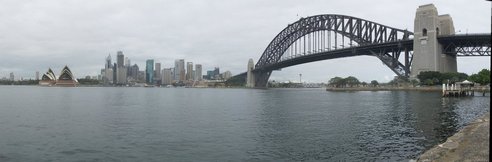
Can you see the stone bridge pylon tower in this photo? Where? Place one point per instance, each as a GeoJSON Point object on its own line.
{"type": "Point", "coordinates": [427, 51]}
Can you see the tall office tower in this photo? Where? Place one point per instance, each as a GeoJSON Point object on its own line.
{"type": "Point", "coordinates": [167, 77]}
{"type": "Point", "coordinates": [216, 73]}
{"type": "Point", "coordinates": [37, 75]}
{"type": "Point", "coordinates": [102, 75]}
{"type": "Point", "coordinates": [189, 71]}
{"type": "Point", "coordinates": [198, 72]}
{"type": "Point", "coordinates": [127, 62]}
{"type": "Point", "coordinates": [108, 62]}
{"type": "Point", "coordinates": [11, 76]}
{"type": "Point", "coordinates": [149, 71]}
{"type": "Point", "coordinates": [114, 73]}
{"type": "Point", "coordinates": [133, 72]}
{"type": "Point", "coordinates": [226, 75]}
{"type": "Point", "coordinates": [108, 70]}
{"type": "Point", "coordinates": [157, 73]}
{"type": "Point", "coordinates": [121, 69]}
{"type": "Point", "coordinates": [179, 70]}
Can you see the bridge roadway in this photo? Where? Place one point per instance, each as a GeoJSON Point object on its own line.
{"type": "Point", "coordinates": [458, 44]}
{"type": "Point", "coordinates": [456, 41]}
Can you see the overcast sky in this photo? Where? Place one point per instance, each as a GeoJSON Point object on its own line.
{"type": "Point", "coordinates": [36, 35]}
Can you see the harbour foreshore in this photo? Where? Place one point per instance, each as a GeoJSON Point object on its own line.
{"type": "Point", "coordinates": [389, 88]}
{"type": "Point", "coordinates": [470, 144]}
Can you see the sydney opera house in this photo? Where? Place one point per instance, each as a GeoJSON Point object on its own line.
{"type": "Point", "coordinates": [66, 78]}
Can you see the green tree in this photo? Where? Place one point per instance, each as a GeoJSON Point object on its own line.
{"type": "Point", "coordinates": [482, 77]}
{"type": "Point", "coordinates": [337, 82]}
{"type": "Point", "coordinates": [352, 81]}
{"type": "Point", "coordinates": [374, 83]}
{"type": "Point", "coordinates": [364, 84]}
{"type": "Point", "coordinates": [429, 77]}
{"type": "Point", "coordinates": [414, 82]}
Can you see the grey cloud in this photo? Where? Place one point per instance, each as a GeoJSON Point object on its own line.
{"type": "Point", "coordinates": [35, 35]}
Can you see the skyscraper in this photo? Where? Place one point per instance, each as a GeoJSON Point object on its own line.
{"type": "Point", "coordinates": [121, 69]}
{"type": "Point", "coordinates": [127, 62]}
{"type": "Point", "coordinates": [12, 76]}
{"type": "Point", "coordinates": [149, 71]}
{"type": "Point", "coordinates": [189, 71]}
{"type": "Point", "coordinates": [179, 70]}
{"type": "Point", "coordinates": [108, 71]}
{"type": "Point", "coordinates": [114, 73]}
{"type": "Point", "coordinates": [157, 73]}
{"type": "Point", "coordinates": [216, 73]}
{"type": "Point", "coordinates": [167, 77]}
{"type": "Point", "coordinates": [37, 75]}
{"type": "Point", "coordinates": [108, 62]}
{"type": "Point", "coordinates": [198, 72]}
{"type": "Point", "coordinates": [133, 72]}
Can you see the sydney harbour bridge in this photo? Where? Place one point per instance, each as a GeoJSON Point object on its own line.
{"type": "Point", "coordinates": [433, 46]}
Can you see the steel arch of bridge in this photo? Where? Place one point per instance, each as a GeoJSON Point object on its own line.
{"type": "Point", "coordinates": [363, 32]}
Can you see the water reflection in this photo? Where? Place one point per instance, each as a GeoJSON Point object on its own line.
{"type": "Point", "coordinates": [161, 124]}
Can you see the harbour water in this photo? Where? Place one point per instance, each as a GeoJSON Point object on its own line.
{"type": "Point", "coordinates": [187, 124]}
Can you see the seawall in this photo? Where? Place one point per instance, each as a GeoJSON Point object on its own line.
{"type": "Point", "coordinates": [470, 144]}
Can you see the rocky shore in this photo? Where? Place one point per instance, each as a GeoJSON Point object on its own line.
{"type": "Point", "coordinates": [431, 88]}
{"type": "Point", "coordinates": [469, 144]}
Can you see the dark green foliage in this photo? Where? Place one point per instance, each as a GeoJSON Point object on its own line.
{"type": "Point", "coordinates": [18, 82]}
{"type": "Point", "coordinates": [374, 83]}
{"type": "Point", "coordinates": [88, 81]}
{"type": "Point", "coordinates": [343, 82]}
{"type": "Point", "coordinates": [437, 78]}
{"type": "Point", "coordinates": [483, 77]}
{"type": "Point", "coordinates": [236, 81]}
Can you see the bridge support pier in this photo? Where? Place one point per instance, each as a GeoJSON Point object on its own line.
{"type": "Point", "coordinates": [250, 77]}
{"type": "Point", "coordinates": [261, 79]}
{"type": "Point", "coordinates": [428, 53]}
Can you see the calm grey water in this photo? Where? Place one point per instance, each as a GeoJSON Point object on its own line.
{"type": "Point", "coordinates": [182, 124]}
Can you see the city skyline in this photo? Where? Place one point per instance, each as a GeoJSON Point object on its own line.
{"type": "Point", "coordinates": [51, 31]}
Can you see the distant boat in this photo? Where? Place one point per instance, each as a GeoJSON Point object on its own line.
{"type": "Point", "coordinates": [147, 85]}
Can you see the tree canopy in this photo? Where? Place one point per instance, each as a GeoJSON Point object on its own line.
{"type": "Point", "coordinates": [482, 77]}
{"type": "Point", "coordinates": [436, 78]}
{"type": "Point", "coordinates": [339, 82]}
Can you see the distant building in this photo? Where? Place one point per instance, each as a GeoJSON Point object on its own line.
{"type": "Point", "coordinates": [133, 72]}
{"type": "Point", "coordinates": [12, 76]}
{"type": "Point", "coordinates": [167, 77]}
{"type": "Point", "coordinates": [37, 75]}
{"type": "Point", "coordinates": [114, 73]}
{"type": "Point", "coordinates": [121, 70]}
{"type": "Point", "coordinates": [226, 75]}
{"type": "Point", "coordinates": [198, 72]}
{"type": "Point", "coordinates": [189, 71]}
{"type": "Point", "coordinates": [149, 71]}
{"type": "Point", "coordinates": [141, 76]}
{"type": "Point", "coordinates": [210, 75]}
{"type": "Point", "coordinates": [179, 70]}
{"type": "Point", "coordinates": [108, 71]}
{"type": "Point", "coordinates": [157, 73]}
{"type": "Point", "coordinates": [66, 78]}
{"type": "Point", "coordinates": [48, 79]}
{"type": "Point", "coordinates": [127, 62]}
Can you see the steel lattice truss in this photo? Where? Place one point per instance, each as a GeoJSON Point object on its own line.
{"type": "Point", "coordinates": [466, 44]}
{"type": "Point", "coordinates": [361, 31]}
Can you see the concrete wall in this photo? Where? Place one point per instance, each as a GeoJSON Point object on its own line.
{"type": "Point", "coordinates": [428, 53]}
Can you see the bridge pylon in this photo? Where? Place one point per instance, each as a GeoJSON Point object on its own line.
{"type": "Point", "coordinates": [428, 53]}
{"type": "Point", "coordinates": [250, 78]}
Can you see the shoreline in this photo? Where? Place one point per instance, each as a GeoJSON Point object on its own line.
{"type": "Point", "coordinates": [431, 89]}
{"type": "Point", "coordinates": [471, 143]}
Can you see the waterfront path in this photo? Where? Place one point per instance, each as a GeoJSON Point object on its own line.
{"type": "Point", "coordinates": [469, 144]}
